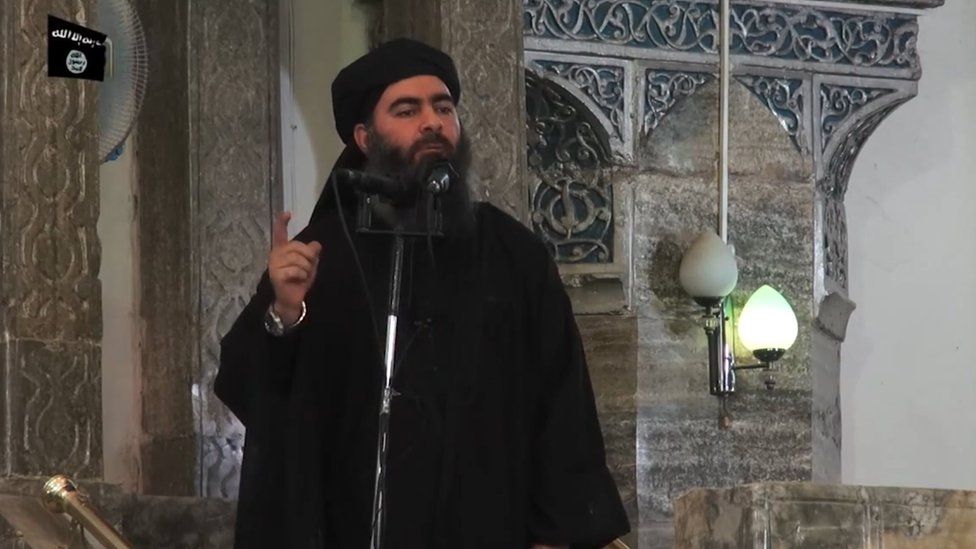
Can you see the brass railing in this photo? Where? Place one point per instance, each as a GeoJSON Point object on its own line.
{"type": "Point", "coordinates": [62, 496]}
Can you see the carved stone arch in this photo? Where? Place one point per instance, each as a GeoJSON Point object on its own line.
{"type": "Point", "coordinates": [588, 109]}
{"type": "Point", "coordinates": [604, 89]}
{"type": "Point", "coordinates": [847, 114]}
{"type": "Point", "coordinates": [568, 153]}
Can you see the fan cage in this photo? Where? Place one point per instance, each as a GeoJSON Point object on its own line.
{"type": "Point", "coordinates": [135, 53]}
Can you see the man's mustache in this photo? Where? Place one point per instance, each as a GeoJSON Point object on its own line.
{"type": "Point", "coordinates": [431, 139]}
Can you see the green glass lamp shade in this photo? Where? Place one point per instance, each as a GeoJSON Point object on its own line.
{"type": "Point", "coordinates": [767, 321]}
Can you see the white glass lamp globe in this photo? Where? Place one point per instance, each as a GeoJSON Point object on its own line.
{"type": "Point", "coordinates": [767, 322]}
{"type": "Point", "coordinates": [708, 271]}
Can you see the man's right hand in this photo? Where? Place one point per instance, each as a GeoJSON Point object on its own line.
{"type": "Point", "coordinates": [291, 268]}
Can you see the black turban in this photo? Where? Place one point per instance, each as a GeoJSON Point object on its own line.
{"type": "Point", "coordinates": [358, 87]}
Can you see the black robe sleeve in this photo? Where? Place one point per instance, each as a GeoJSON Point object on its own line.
{"type": "Point", "coordinates": [254, 364]}
{"type": "Point", "coordinates": [574, 498]}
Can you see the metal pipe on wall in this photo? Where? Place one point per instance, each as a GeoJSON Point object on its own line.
{"type": "Point", "coordinates": [723, 154]}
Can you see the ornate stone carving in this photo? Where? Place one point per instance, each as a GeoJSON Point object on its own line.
{"type": "Point", "coordinates": [842, 153]}
{"type": "Point", "coordinates": [663, 90]}
{"type": "Point", "coordinates": [681, 26]}
{"type": "Point", "coordinates": [236, 173]}
{"type": "Point", "coordinates": [50, 295]}
{"type": "Point", "coordinates": [781, 31]}
{"type": "Point", "coordinates": [836, 165]}
{"type": "Point", "coordinates": [572, 205]}
{"type": "Point", "coordinates": [51, 270]}
{"type": "Point", "coordinates": [602, 84]}
{"type": "Point", "coordinates": [808, 34]}
{"type": "Point", "coordinates": [835, 240]}
{"type": "Point", "coordinates": [783, 97]}
{"type": "Point", "coordinates": [917, 4]}
{"type": "Point", "coordinates": [839, 102]}
{"type": "Point", "coordinates": [55, 395]}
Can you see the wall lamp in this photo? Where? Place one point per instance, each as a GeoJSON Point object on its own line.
{"type": "Point", "coordinates": [708, 273]}
{"type": "Point", "coordinates": [767, 324]}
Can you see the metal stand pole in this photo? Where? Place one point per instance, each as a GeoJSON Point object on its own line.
{"type": "Point", "coordinates": [724, 78]}
{"type": "Point", "coordinates": [379, 491]}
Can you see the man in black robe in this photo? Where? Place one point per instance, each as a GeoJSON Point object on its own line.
{"type": "Point", "coordinates": [494, 437]}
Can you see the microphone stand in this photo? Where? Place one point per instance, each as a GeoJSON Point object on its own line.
{"type": "Point", "coordinates": [386, 397]}
{"type": "Point", "coordinates": [437, 184]}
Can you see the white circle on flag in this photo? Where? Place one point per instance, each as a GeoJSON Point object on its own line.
{"type": "Point", "coordinates": [77, 62]}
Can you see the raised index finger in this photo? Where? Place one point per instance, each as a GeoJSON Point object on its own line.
{"type": "Point", "coordinates": [279, 230]}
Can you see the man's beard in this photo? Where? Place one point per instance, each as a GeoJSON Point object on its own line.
{"type": "Point", "coordinates": [387, 159]}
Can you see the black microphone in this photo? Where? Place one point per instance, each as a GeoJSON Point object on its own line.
{"type": "Point", "coordinates": [440, 176]}
{"type": "Point", "coordinates": [371, 183]}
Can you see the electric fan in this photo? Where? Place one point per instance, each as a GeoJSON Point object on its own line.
{"type": "Point", "coordinates": [126, 72]}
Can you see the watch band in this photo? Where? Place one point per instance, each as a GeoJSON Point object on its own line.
{"type": "Point", "coordinates": [275, 326]}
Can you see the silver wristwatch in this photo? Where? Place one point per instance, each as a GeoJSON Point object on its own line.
{"type": "Point", "coordinates": [275, 326]}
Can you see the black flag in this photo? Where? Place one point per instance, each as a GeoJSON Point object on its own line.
{"type": "Point", "coordinates": [74, 51]}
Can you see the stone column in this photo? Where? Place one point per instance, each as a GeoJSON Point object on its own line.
{"type": "Point", "coordinates": [167, 447]}
{"type": "Point", "coordinates": [209, 181]}
{"type": "Point", "coordinates": [236, 176]}
{"type": "Point", "coordinates": [485, 39]}
{"type": "Point", "coordinates": [50, 296]}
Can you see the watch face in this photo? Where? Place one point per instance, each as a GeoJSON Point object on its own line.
{"type": "Point", "coordinates": [273, 324]}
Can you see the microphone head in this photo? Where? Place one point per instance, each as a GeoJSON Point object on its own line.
{"type": "Point", "coordinates": [440, 176]}
{"type": "Point", "coordinates": [373, 183]}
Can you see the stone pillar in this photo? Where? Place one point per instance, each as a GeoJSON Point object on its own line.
{"type": "Point", "coordinates": [167, 447]}
{"type": "Point", "coordinates": [485, 39]}
{"type": "Point", "coordinates": [236, 176]}
{"type": "Point", "coordinates": [209, 181]}
{"type": "Point", "coordinates": [50, 296]}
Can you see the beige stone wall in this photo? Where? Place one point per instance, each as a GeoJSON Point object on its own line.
{"type": "Point", "coordinates": [50, 295]}
{"type": "Point", "coordinates": [812, 516]}
{"type": "Point", "coordinates": [121, 385]}
{"type": "Point", "coordinates": [679, 443]}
